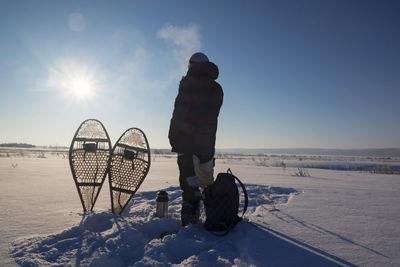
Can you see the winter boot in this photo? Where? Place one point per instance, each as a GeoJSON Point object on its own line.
{"type": "Point", "coordinates": [190, 212]}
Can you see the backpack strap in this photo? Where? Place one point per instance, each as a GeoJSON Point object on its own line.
{"type": "Point", "coordinates": [246, 197]}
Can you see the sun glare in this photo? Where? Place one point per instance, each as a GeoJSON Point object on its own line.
{"type": "Point", "coordinates": [81, 87]}
{"type": "Point", "coordinates": [74, 80]}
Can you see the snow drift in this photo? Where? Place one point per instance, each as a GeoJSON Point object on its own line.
{"type": "Point", "coordinates": [139, 238]}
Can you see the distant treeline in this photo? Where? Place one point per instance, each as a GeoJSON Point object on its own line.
{"type": "Point", "coordinates": [374, 152]}
{"type": "Point", "coordinates": [21, 145]}
{"type": "Point", "coordinates": [377, 152]}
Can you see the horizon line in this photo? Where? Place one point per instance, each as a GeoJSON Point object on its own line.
{"type": "Point", "coordinates": [236, 148]}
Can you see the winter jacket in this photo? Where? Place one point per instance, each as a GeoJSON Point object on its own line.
{"type": "Point", "coordinates": [194, 121]}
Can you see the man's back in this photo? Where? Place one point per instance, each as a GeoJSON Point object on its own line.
{"type": "Point", "coordinates": [194, 121]}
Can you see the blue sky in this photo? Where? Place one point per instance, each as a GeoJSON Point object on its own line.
{"type": "Point", "coordinates": [295, 73]}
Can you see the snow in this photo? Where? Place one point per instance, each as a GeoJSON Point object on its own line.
{"type": "Point", "coordinates": [330, 218]}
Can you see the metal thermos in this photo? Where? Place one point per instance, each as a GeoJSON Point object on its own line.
{"type": "Point", "coordinates": [162, 204]}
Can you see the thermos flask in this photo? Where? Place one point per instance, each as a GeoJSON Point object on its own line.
{"type": "Point", "coordinates": [162, 204]}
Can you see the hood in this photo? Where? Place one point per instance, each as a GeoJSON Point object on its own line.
{"type": "Point", "coordinates": [204, 69]}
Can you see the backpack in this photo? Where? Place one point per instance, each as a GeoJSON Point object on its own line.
{"type": "Point", "coordinates": [221, 202]}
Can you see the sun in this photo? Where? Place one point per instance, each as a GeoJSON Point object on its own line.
{"type": "Point", "coordinates": [81, 87]}
{"type": "Point", "coordinates": [74, 80]}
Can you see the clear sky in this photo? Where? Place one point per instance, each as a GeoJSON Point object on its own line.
{"type": "Point", "coordinates": [295, 73]}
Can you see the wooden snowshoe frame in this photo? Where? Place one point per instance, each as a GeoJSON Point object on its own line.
{"type": "Point", "coordinates": [129, 165]}
{"type": "Point", "coordinates": [89, 158]}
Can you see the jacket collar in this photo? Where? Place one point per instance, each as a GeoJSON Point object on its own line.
{"type": "Point", "coordinates": [203, 69]}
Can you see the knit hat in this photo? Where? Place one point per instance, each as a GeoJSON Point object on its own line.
{"type": "Point", "coordinates": [198, 58]}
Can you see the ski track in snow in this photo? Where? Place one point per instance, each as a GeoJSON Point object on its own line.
{"type": "Point", "coordinates": [139, 238]}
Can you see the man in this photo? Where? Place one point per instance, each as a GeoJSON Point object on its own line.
{"type": "Point", "coordinates": [193, 129]}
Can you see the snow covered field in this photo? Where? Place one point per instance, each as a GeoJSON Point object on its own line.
{"type": "Point", "coordinates": [329, 218]}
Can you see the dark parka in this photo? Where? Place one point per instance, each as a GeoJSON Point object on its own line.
{"type": "Point", "coordinates": [194, 121]}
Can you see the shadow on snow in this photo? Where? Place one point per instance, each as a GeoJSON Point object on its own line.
{"type": "Point", "coordinates": [139, 238]}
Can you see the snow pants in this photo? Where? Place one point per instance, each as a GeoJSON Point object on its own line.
{"type": "Point", "coordinates": [195, 170]}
